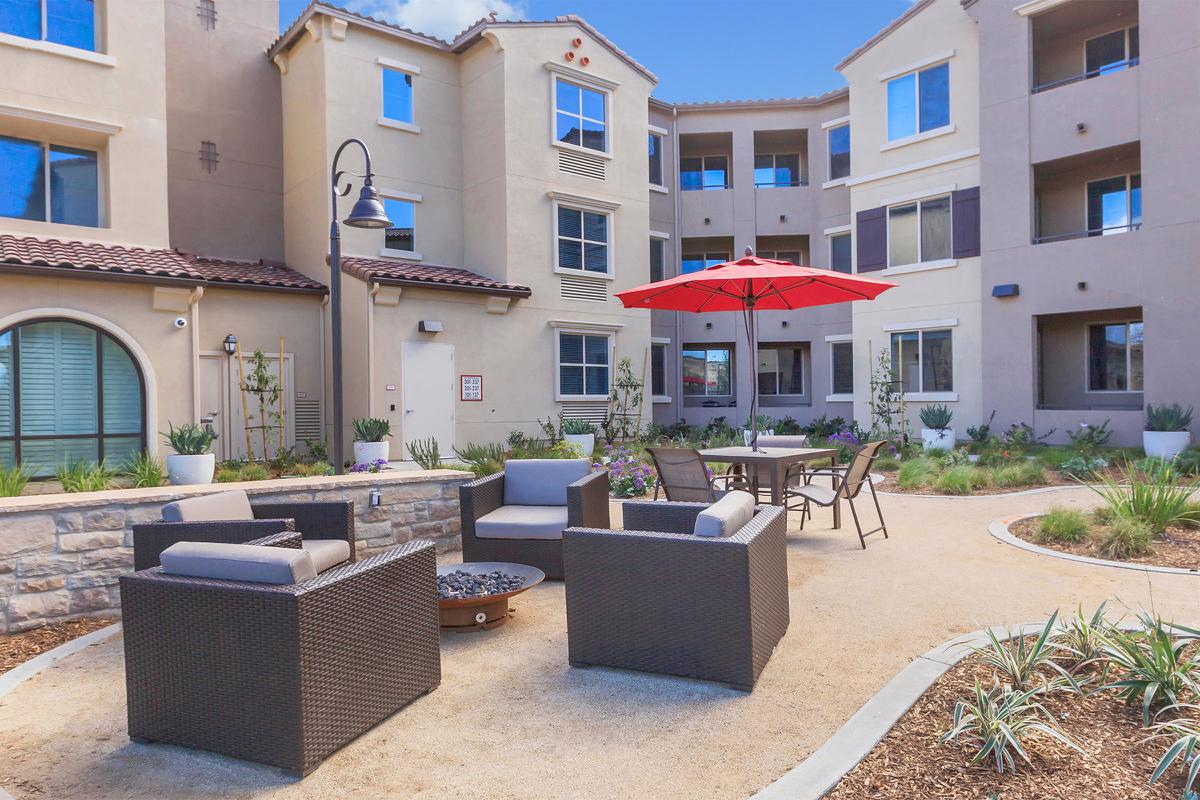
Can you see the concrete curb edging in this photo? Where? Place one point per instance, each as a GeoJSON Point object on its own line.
{"type": "Point", "coordinates": [814, 777]}
{"type": "Point", "coordinates": [1000, 530]}
{"type": "Point", "coordinates": [994, 495]}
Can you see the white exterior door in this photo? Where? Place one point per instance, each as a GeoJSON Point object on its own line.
{"type": "Point", "coordinates": [235, 430]}
{"type": "Point", "coordinates": [429, 398]}
{"type": "Point", "coordinates": [214, 401]}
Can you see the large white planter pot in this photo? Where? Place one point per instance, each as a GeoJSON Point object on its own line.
{"type": "Point", "coordinates": [586, 441]}
{"type": "Point", "coordinates": [746, 435]}
{"type": "Point", "coordinates": [1165, 444]}
{"type": "Point", "coordinates": [937, 440]}
{"type": "Point", "coordinates": [370, 452]}
{"type": "Point", "coordinates": [187, 470]}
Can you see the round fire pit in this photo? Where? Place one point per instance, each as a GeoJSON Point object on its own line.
{"type": "Point", "coordinates": [474, 596]}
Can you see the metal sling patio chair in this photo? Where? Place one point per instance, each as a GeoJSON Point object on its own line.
{"type": "Point", "coordinates": [848, 484]}
{"type": "Point", "coordinates": [684, 479]}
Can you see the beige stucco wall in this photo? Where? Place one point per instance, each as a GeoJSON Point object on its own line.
{"type": "Point", "coordinates": [882, 175]}
{"type": "Point", "coordinates": [66, 97]}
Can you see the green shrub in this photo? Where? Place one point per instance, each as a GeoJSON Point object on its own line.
{"type": "Point", "coordinates": [1082, 466]}
{"type": "Point", "coordinates": [983, 433]}
{"type": "Point", "coordinates": [13, 480]}
{"type": "Point", "coordinates": [1062, 525]}
{"type": "Point", "coordinates": [1125, 537]}
{"type": "Point", "coordinates": [956, 480]}
{"type": "Point", "coordinates": [425, 453]}
{"type": "Point", "coordinates": [998, 723]}
{"type": "Point", "coordinates": [253, 472]}
{"type": "Point", "coordinates": [371, 429]}
{"type": "Point", "coordinates": [190, 439]}
{"type": "Point", "coordinates": [1159, 498]}
{"type": "Point", "coordinates": [1080, 639]}
{"type": "Point", "coordinates": [146, 471]}
{"type": "Point", "coordinates": [1087, 439]}
{"type": "Point", "coordinates": [1188, 462]}
{"type": "Point", "coordinates": [1185, 746]}
{"type": "Point", "coordinates": [1019, 473]}
{"type": "Point", "coordinates": [916, 473]}
{"type": "Point", "coordinates": [482, 459]}
{"type": "Point", "coordinates": [1023, 662]}
{"type": "Point", "coordinates": [1154, 666]}
{"type": "Point", "coordinates": [83, 476]}
{"type": "Point", "coordinates": [315, 469]}
{"type": "Point", "coordinates": [227, 475]}
{"type": "Point", "coordinates": [887, 464]}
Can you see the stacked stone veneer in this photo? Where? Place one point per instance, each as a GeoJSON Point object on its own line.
{"type": "Point", "coordinates": [61, 555]}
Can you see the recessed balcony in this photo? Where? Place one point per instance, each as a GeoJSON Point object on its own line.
{"type": "Point", "coordinates": [1091, 195]}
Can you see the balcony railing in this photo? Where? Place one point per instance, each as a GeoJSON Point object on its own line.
{"type": "Point", "coordinates": [780, 184]}
{"type": "Point", "coordinates": [1083, 76]}
{"type": "Point", "coordinates": [1062, 237]}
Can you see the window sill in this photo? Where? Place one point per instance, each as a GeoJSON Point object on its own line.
{"type": "Point", "coordinates": [397, 125]}
{"type": "Point", "coordinates": [839, 398]}
{"type": "Point", "coordinates": [654, 187]}
{"type": "Point", "coordinates": [917, 137]}
{"type": "Point", "coordinates": [407, 255]}
{"type": "Point", "coordinates": [574, 148]}
{"type": "Point", "coordinates": [835, 183]}
{"type": "Point", "coordinates": [581, 398]}
{"type": "Point", "coordinates": [41, 46]}
{"type": "Point", "coordinates": [660, 398]}
{"type": "Point", "coordinates": [579, 273]}
{"type": "Point", "coordinates": [924, 266]}
{"type": "Point", "coordinates": [939, 397]}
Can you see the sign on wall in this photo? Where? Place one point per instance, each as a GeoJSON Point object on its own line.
{"type": "Point", "coordinates": [471, 388]}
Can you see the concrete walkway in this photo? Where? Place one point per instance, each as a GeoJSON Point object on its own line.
{"type": "Point", "coordinates": [512, 720]}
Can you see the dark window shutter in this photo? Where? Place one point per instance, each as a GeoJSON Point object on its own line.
{"type": "Point", "coordinates": [965, 213]}
{"type": "Point", "coordinates": [871, 236]}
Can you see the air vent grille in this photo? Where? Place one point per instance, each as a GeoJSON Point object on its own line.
{"type": "Point", "coordinates": [592, 290]}
{"type": "Point", "coordinates": [592, 412]}
{"type": "Point", "coordinates": [581, 164]}
{"type": "Point", "coordinates": [308, 421]}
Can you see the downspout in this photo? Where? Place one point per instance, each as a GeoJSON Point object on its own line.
{"type": "Point", "coordinates": [677, 392]}
{"type": "Point", "coordinates": [375, 287]}
{"type": "Point", "coordinates": [194, 311]}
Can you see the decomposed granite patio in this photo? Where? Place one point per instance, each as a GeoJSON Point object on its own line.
{"type": "Point", "coordinates": [512, 720]}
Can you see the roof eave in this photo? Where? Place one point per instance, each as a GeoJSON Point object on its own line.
{"type": "Point", "coordinates": [69, 271]}
{"type": "Point", "coordinates": [909, 13]}
{"type": "Point", "coordinates": [496, 291]}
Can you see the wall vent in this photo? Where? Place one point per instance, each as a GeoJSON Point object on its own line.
{"type": "Point", "coordinates": [593, 290]}
{"type": "Point", "coordinates": [308, 421]}
{"type": "Point", "coordinates": [592, 412]}
{"type": "Point", "coordinates": [581, 164]}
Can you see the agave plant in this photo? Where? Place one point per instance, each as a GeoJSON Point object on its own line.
{"type": "Point", "coordinates": [577, 427]}
{"type": "Point", "coordinates": [1154, 665]}
{"type": "Point", "coordinates": [1021, 664]}
{"type": "Point", "coordinates": [936, 417]}
{"type": "Point", "coordinates": [1186, 745]}
{"type": "Point", "coordinates": [371, 429]}
{"type": "Point", "coordinates": [190, 439]}
{"type": "Point", "coordinates": [1168, 417]}
{"type": "Point", "coordinates": [996, 724]}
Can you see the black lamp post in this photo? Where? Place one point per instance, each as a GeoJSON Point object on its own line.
{"type": "Point", "coordinates": [367, 213]}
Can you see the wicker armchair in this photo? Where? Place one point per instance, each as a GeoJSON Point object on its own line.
{"type": "Point", "coordinates": [586, 506]}
{"type": "Point", "coordinates": [313, 520]}
{"type": "Point", "coordinates": [654, 597]}
{"type": "Point", "coordinates": [276, 673]}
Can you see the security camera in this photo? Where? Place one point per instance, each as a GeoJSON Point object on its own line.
{"type": "Point", "coordinates": [181, 322]}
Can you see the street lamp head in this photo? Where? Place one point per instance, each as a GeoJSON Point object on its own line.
{"type": "Point", "coordinates": [368, 211]}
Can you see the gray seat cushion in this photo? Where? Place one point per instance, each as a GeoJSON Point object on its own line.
{"type": "Point", "coordinates": [541, 481]}
{"type": "Point", "coordinates": [238, 562]}
{"type": "Point", "coordinates": [783, 441]}
{"type": "Point", "coordinates": [522, 522]}
{"type": "Point", "coordinates": [327, 553]}
{"type": "Point", "coordinates": [726, 516]}
{"type": "Point", "coordinates": [230, 505]}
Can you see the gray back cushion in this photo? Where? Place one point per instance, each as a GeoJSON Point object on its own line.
{"type": "Point", "coordinates": [726, 516]}
{"type": "Point", "coordinates": [209, 508]}
{"type": "Point", "coordinates": [238, 562]}
{"type": "Point", "coordinates": [541, 481]}
{"type": "Point", "coordinates": [798, 440]}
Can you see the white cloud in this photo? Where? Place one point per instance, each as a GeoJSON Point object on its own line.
{"type": "Point", "coordinates": [441, 18]}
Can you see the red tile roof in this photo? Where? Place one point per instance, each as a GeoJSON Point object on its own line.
{"type": "Point", "coordinates": [30, 253]}
{"type": "Point", "coordinates": [432, 275]}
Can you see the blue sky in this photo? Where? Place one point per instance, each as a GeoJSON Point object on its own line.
{"type": "Point", "coordinates": [700, 49]}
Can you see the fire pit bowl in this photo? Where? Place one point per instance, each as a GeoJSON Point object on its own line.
{"type": "Point", "coordinates": [487, 611]}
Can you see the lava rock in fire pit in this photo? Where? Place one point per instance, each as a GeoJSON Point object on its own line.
{"type": "Point", "coordinates": [465, 584]}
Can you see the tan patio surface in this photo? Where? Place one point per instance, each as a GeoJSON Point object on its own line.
{"type": "Point", "coordinates": [512, 720]}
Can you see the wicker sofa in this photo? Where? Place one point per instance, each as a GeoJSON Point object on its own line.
{"type": "Point", "coordinates": [518, 515]}
{"type": "Point", "coordinates": [231, 518]}
{"type": "Point", "coordinates": [282, 674]}
{"type": "Point", "coordinates": [657, 598]}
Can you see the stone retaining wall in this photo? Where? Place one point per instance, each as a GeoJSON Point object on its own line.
{"type": "Point", "coordinates": [61, 554]}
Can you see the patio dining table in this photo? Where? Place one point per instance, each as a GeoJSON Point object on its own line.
{"type": "Point", "coordinates": [773, 463]}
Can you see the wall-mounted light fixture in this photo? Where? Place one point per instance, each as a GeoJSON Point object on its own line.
{"type": "Point", "coordinates": [707, 221]}
{"type": "Point", "coordinates": [783, 217]}
{"type": "Point", "coordinates": [430, 326]}
{"type": "Point", "coordinates": [229, 344]}
{"type": "Point", "coordinates": [785, 323]}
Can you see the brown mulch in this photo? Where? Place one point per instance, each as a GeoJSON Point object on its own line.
{"type": "Point", "coordinates": [1175, 547]}
{"type": "Point", "coordinates": [910, 764]}
{"type": "Point", "coordinates": [18, 648]}
{"type": "Point", "coordinates": [891, 484]}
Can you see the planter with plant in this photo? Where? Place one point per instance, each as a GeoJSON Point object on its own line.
{"type": "Point", "coordinates": [580, 432]}
{"type": "Point", "coordinates": [766, 427]}
{"type": "Point", "coordinates": [937, 433]}
{"type": "Point", "coordinates": [1166, 434]}
{"type": "Point", "coordinates": [371, 440]}
{"type": "Point", "coordinates": [193, 461]}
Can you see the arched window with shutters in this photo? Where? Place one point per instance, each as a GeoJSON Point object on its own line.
{"type": "Point", "coordinates": [68, 392]}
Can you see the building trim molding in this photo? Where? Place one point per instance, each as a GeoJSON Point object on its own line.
{"type": "Point", "coordinates": [919, 325]}
{"type": "Point", "coordinates": [835, 122]}
{"type": "Point", "coordinates": [949, 158]}
{"type": "Point", "coordinates": [579, 76]}
{"type": "Point", "coordinates": [916, 65]}
{"type": "Point", "coordinates": [583, 200]}
{"type": "Point", "coordinates": [1037, 7]}
{"type": "Point", "coordinates": [402, 66]}
{"type": "Point", "coordinates": [584, 325]}
{"type": "Point", "coordinates": [65, 120]}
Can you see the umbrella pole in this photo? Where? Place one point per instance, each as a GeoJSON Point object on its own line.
{"type": "Point", "coordinates": [751, 336]}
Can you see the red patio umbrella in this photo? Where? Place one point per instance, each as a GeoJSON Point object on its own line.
{"type": "Point", "coordinates": [748, 285]}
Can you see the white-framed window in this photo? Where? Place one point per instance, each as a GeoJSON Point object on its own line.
{"type": "Point", "coordinates": [839, 151]}
{"type": "Point", "coordinates": [1111, 52]}
{"type": "Point", "coordinates": [580, 114]}
{"type": "Point", "coordinates": [772, 170]}
{"type": "Point", "coordinates": [707, 371]}
{"type": "Point", "coordinates": [583, 238]}
{"type": "Point", "coordinates": [1115, 355]}
{"type": "Point", "coordinates": [397, 101]}
{"type": "Point", "coordinates": [918, 101]}
{"type": "Point", "coordinates": [47, 182]}
{"type": "Point", "coordinates": [781, 369]}
{"type": "Point", "coordinates": [923, 360]}
{"type": "Point", "coordinates": [919, 231]}
{"type": "Point", "coordinates": [655, 148]}
{"type": "Point", "coordinates": [584, 365]}
{"type": "Point", "coordinates": [401, 236]}
{"type": "Point", "coordinates": [1114, 205]}
{"type": "Point", "coordinates": [704, 172]}
{"type": "Point", "coordinates": [840, 248]}
{"type": "Point", "coordinates": [71, 23]}
{"type": "Point", "coordinates": [792, 256]}
{"type": "Point", "coordinates": [695, 262]}
{"type": "Point", "coordinates": [841, 367]}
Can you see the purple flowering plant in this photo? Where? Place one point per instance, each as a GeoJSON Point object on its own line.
{"type": "Point", "coordinates": [378, 465]}
{"type": "Point", "coordinates": [628, 476]}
